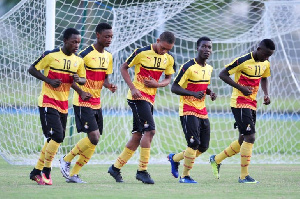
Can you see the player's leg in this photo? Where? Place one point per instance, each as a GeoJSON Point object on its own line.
{"type": "Point", "coordinates": [147, 126]}
{"type": "Point", "coordinates": [93, 137]}
{"type": "Point", "coordinates": [131, 146]}
{"type": "Point", "coordinates": [204, 129]}
{"type": "Point", "coordinates": [231, 150]}
{"type": "Point", "coordinates": [56, 125]}
{"type": "Point", "coordinates": [247, 129]}
{"type": "Point", "coordinates": [190, 125]}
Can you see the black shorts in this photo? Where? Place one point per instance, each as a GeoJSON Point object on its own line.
{"type": "Point", "coordinates": [142, 115]}
{"type": "Point", "coordinates": [245, 119]}
{"type": "Point", "coordinates": [53, 122]}
{"type": "Point", "coordinates": [196, 130]}
{"type": "Point", "coordinates": [88, 119]}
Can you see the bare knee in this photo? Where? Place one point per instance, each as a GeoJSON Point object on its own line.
{"type": "Point", "coordinates": [94, 137]}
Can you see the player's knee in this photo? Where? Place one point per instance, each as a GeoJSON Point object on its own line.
{"type": "Point", "coordinates": [94, 137]}
{"type": "Point", "coordinates": [249, 138]}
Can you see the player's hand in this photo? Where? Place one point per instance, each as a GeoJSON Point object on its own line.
{"type": "Point", "coordinates": [76, 78]}
{"type": "Point", "coordinates": [213, 96]}
{"type": "Point", "coordinates": [54, 82]}
{"type": "Point", "coordinates": [112, 88]}
{"type": "Point", "coordinates": [85, 96]}
{"type": "Point", "coordinates": [267, 100]}
{"type": "Point", "coordinates": [199, 94]}
{"type": "Point", "coordinates": [246, 90]}
{"type": "Point", "coordinates": [151, 83]}
{"type": "Point", "coordinates": [136, 93]}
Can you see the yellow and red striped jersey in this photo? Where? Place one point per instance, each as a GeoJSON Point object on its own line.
{"type": "Point", "coordinates": [98, 65]}
{"type": "Point", "coordinates": [247, 73]}
{"type": "Point", "coordinates": [149, 64]}
{"type": "Point", "coordinates": [57, 65]}
{"type": "Point", "coordinates": [193, 77]}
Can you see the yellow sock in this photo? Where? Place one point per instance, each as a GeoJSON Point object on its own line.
{"type": "Point", "coordinates": [40, 163]}
{"type": "Point", "coordinates": [189, 158]}
{"type": "Point", "coordinates": [198, 153]}
{"type": "Point", "coordinates": [79, 148]}
{"type": "Point", "coordinates": [246, 152]}
{"type": "Point", "coordinates": [233, 149]}
{"type": "Point", "coordinates": [50, 152]}
{"type": "Point", "coordinates": [83, 159]}
{"type": "Point", "coordinates": [178, 156]}
{"type": "Point", "coordinates": [144, 159]}
{"type": "Point", "coordinates": [123, 158]}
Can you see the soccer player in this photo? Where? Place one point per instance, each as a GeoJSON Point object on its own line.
{"type": "Point", "coordinates": [150, 62]}
{"type": "Point", "coordinates": [249, 70]}
{"type": "Point", "coordinates": [61, 68]}
{"type": "Point", "coordinates": [87, 104]}
{"type": "Point", "coordinates": [191, 84]}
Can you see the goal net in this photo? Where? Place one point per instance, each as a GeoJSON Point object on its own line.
{"type": "Point", "coordinates": [235, 28]}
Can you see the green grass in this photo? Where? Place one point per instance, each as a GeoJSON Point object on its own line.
{"type": "Point", "coordinates": [276, 181]}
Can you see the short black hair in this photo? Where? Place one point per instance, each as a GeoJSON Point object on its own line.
{"type": "Point", "coordinates": [168, 37]}
{"type": "Point", "coordinates": [69, 32]}
{"type": "Point", "coordinates": [103, 26]}
{"type": "Point", "coordinates": [268, 43]}
{"type": "Point", "coordinates": [202, 39]}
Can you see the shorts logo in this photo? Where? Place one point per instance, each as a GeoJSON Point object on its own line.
{"type": "Point", "coordinates": [86, 125]}
{"type": "Point", "coordinates": [146, 125]}
{"type": "Point", "coordinates": [248, 128]}
{"type": "Point", "coordinates": [192, 140]}
{"type": "Point", "coordinates": [51, 132]}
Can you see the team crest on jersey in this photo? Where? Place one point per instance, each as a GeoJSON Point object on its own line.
{"type": "Point", "coordinates": [165, 61]}
{"type": "Point", "coordinates": [75, 64]}
{"type": "Point", "coordinates": [264, 67]}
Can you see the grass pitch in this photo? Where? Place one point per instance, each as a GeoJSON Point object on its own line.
{"type": "Point", "coordinates": [276, 181]}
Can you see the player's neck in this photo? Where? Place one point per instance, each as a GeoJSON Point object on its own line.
{"type": "Point", "coordinates": [201, 62]}
{"type": "Point", "coordinates": [99, 47]}
{"type": "Point", "coordinates": [154, 48]}
{"type": "Point", "coordinates": [254, 55]}
{"type": "Point", "coordinates": [65, 51]}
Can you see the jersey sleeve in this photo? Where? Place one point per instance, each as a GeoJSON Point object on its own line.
{"type": "Point", "coordinates": [134, 58]}
{"type": "Point", "coordinates": [81, 69]}
{"type": "Point", "coordinates": [110, 65]}
{"type": "Point", "coordinates": [267, 72]}
{"type": "Point", "coordinates": [43, 61]}
{"type": "Point", "coordinates": [183, 75]}
{"type": "Point", "coordinates": [234, 67]}
{"type": "Point", "coordinates": [170, 69]}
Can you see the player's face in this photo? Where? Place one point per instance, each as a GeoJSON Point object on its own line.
{"type": "Point", "coordinates": [204, 49]}
{"type": "Point", "coordinates": [104, 38]}
{"type": "Point", "coordinates": [263, 53]}
{"type": "Point", "coordinates": [72, 44]}
{"type": "Point", "coordinates": [163, 47]}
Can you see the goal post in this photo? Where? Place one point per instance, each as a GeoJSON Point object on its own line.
{"type": "Point", "coordinates": [235, 27]}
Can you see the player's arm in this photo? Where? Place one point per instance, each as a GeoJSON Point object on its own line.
{"type": "Point", "coordinates": [152, 83]}
{"type": "Point", "coordinates": [225, 76]}
{"type": "Point", "coordinates": [79, 80]}
{"type": "Point", "coordinates": [213, 96]}
{"type": "Point", "coordinates": [109, 85]}
{"type": "Point", "coordinates": [37, 74]}
{"type": "Point", "coordinates": [264, 86]}
{"type": "Point", "coordinates": [83, 95]}
{"type": "Point", "coordinates": [178, 90]}
{"type": "Point", "coordinates": [124, 72]}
